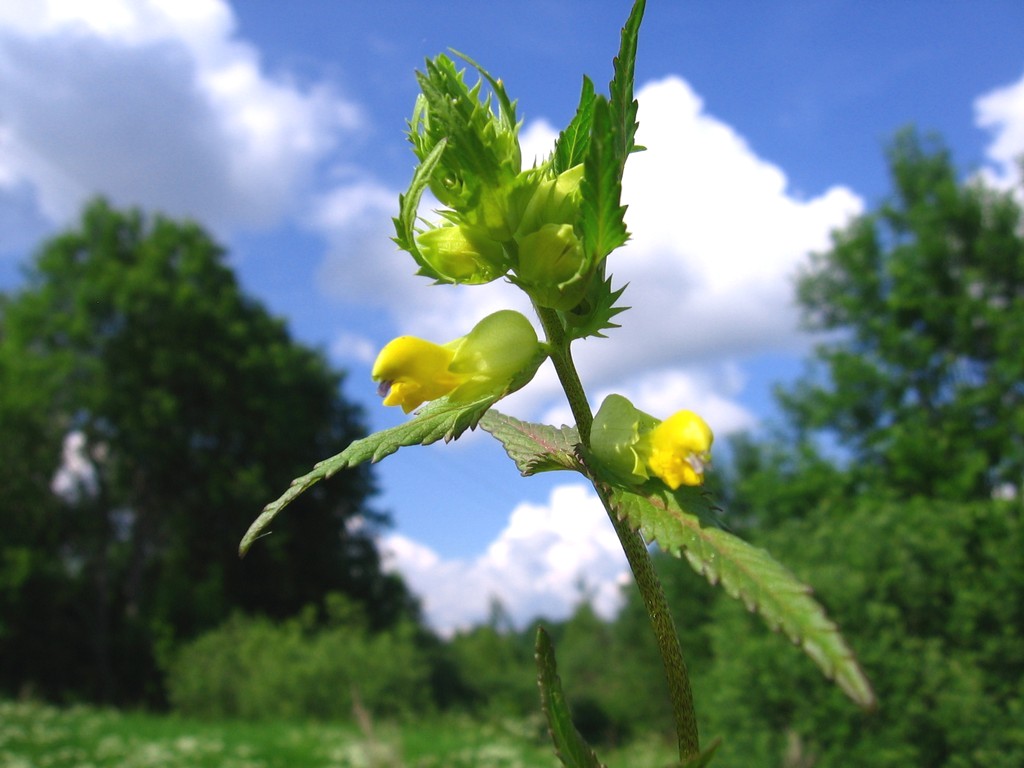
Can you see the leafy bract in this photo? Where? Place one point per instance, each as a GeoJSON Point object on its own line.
{"type": "Point", "coordinates": [623, 106]}
{"type": "Point", "coordinates": [603, 216]}
{"type": "Point", "coordinates": [747, 573]}
{"type": "Point", "coordinates": [534, 447]}
{"type": "Point", "coordinates": [594, 314]}
{"type": "Point", "coordinates": [572, 144]}
{"type": "Point", "coordinates": [480, 145]}
{"type": "Point", "coordinates": [439, 420]}
{"type": "Point", "coordinates": [570, 746]}
{"type": "Point", "coordinates": [408, 204]}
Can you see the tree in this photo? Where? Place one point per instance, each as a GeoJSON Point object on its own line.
{"type": "Point", "coordinates": [921, 376]}
{"type": "Point", "coordinates": [920, 385]}
{"type": "Point", "coordinates": [182, 406]}
{"type": "Point", "coordinates": [931, 596]}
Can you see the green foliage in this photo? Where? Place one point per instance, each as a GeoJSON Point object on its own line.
{"type": "Point", "coordinates": [924, 299]}
{"type": "Point", "coordinates": [408, 205]}
{"type": "Point", "coordinates": [932, 595]}
{"type": "Point", "coordinates": [776, 479]}
{"type": "Point", "coordinates": [33, 734]}
{"type": "Point", "coordinates": [482, 149]}
{"type": "Point", "coordinates": [255, 669]}
{"type": "Point", "coordinates": [570, 746]}
{"type": "Point", "coordinates": [922, 379]}
{"type": "Point", "coordinates": [191, 404]}
{"type": "Point", "coordinates": [749, 574]}
{"type": "Point", "coordinates": [495, 667]}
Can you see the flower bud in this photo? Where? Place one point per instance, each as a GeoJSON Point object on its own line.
{"type": "Point", "coordinates": [552, 267]}
{"type": "Point", "coordinates": [554, 201]}
{"type": "Point", "coordinates": [461, 254]}
{"type": "Point", "coordinates": [484, 363]}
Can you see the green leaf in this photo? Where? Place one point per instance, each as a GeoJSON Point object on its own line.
{"type": "Point", "coordinates": [408, 205]}
{"type": "Point", "coordinates": [603, 216]}
{"type": "Point", "coordinates": [439, 420]}
{"type": "Point", "coordinates": [623, 105]}
{"type": "Point", "coordinates": [572, 144]}
{"type": "Point", "coordinates": [570, 746]}
{"type": "Point", "coordinates": [506, 107]}
{"type": "Point", "coordinates": [482, 147]}
{"type": "Point", "coordinates": [534, 447]}
{"type": "Point", "coordinates": [748, 574]}
{"type": "Point", "coordinates": [593, 316]}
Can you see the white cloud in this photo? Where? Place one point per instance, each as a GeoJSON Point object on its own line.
{"type": "Point", "coordinates": [535, 567]}
{"type": "Point", "coordinates": [716, 239]}
{"type": "Point", "coordinates": [1001, 112]}
{"type": "Point", "coordinates": [354, 347]}
{"type": "Point", "coordinates": [157, 104]}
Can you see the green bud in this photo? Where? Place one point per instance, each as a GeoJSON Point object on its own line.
{"type": "Point", "coordinates": [499, 350]}
{"type": "Point", "coordinates": [552, 267]}
{"type": "Point", "coordinates": [554, 201]}
{"type": "Point", "coordinates": [481, 156]}
{"type": "Point", "coordinates": [615, 439]}
{"type": "Point", "coordinates": [491, 211]}
{"type": "Point", "coordinates": [461, 254]}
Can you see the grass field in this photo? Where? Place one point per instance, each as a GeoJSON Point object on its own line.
{"type": "Point", "coordinates": [39, 736]}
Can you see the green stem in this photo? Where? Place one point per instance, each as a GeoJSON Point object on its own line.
{"type": "Point", "coordinates": [653, 595]}
{"type": "Point", "coordinates": [647, 581]}
{"type": "Point", "coordinates": [561, 358]}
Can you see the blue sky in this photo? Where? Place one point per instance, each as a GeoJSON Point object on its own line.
{"type": "Point", "coordinates": [280, 127]}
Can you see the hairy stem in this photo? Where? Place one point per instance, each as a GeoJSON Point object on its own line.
{"type": "Point", "coordinates": [633, 545]}
{"type": "Point", "coordinates": [561, 358]}
{"type": "Point", "coordinates": [647, 581]}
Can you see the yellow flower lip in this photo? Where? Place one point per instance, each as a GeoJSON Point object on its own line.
{"type": "Point", "coordinates": [412, 371]}
{"type": "Point", "coordinates": [678, 449]}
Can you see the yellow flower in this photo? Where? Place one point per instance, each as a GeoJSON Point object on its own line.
{"type": "Point", "coordinates": [678, 449]}
{"type": "Point", "coordinates": [633, 445]}
{"type": "Point", "coordinates": [412, 371]}
{"type": "Point", "coordinates": [484, 362]}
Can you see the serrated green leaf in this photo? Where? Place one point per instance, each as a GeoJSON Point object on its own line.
{"type": "Point", "coordinates": [439, 420]}
{"type": "Point", "coordinates": [534, 447]}
{"type": "Point", "coordinates": [506, 107]}
{"type": "Point", "coordinates": [623, 106]}
{"type": "Point", "coordinates": [593, 316]}
{"type": "Point", "coordinates": [747, 573]}
{"type": "Point", "coordinates": [603, 216]}
{"type": "Point", "coordinates": [408, 205]}
{"type": "Point", "coordinates": [570, 746]}
{"type": "Point", "coordinates": [480, 144]}
{"type": "Point", "coordinates": [571, 147]}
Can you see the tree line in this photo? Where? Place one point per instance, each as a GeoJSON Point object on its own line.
{"type": "Point", "coordinates": [148, 407]}
{"type": "Point", "coordinates": [892, 485]}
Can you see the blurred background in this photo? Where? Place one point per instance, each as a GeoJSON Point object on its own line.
{"type": "Point", "coordinates": [827, 262]}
